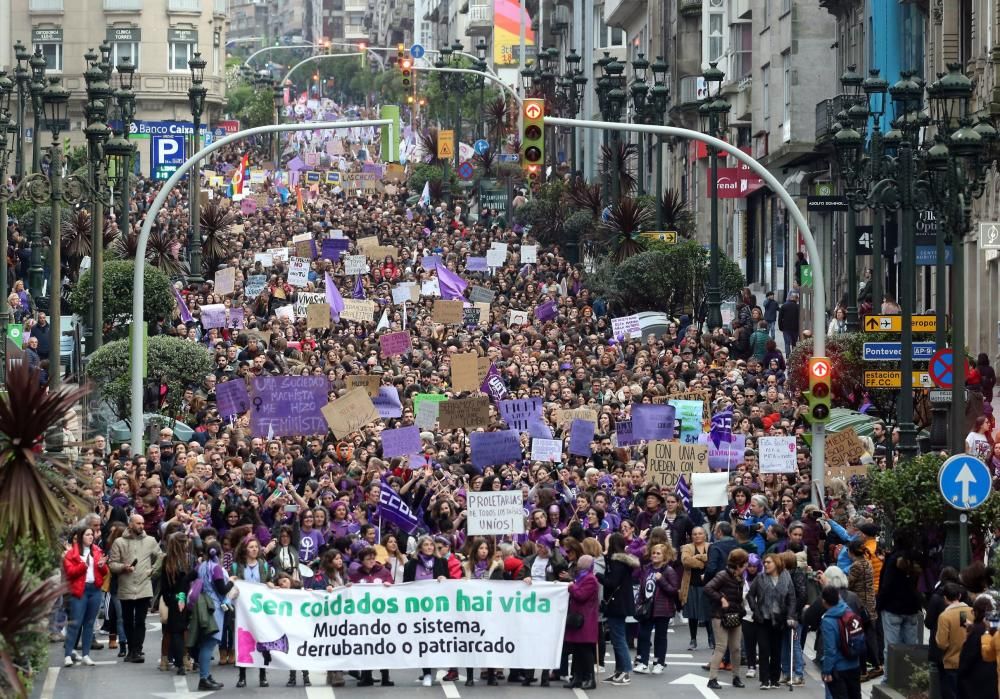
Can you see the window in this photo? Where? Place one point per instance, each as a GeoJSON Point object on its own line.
{"type": "Point", "coordinates": [337, 27]}
{"type": "Point", "coordinates": [715, 45]}
{"type": "Point", "coordinates": [605, 36]}
{"type": "Point", "coordinates": [766, 14]}
{"type": "Point", "coordinates": [180, 53]}
{"type": "Point", "coordinates": [765, 95]}
{"type": "Point", "coordinates": [786, 87]}
{"type": "Point", "coordinates": [125, 49]}
{"type": "Point", "coordinates": [741, 48]}
{"type": "Point", "coordinates": [786, 6]}
{"type": "Point", "coordinates": [181, 45]}
{"type": "Point", "coordinates": [49, 42]}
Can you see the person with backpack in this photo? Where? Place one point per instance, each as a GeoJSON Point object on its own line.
{"type": "Point", "coordinates": [843, 644]}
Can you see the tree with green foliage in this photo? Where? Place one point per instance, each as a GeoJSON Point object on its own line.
{"type": "Point", "coordinates": [252, 106]}
{"type": "Point", "coordinates": [170, 360]}
{"type": "Point", "coordinates": [159, 300]}
{"type": "Point", "coordinates": [668, 278]}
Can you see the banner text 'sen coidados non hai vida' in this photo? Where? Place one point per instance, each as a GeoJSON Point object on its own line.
{"type": "Point", "coordinates": [458, 623]}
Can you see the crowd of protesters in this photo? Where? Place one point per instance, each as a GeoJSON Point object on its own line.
{"type": "Point", "coordinates": [750, 580]}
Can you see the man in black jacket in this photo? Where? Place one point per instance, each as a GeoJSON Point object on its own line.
{"type": "Point", "coordinates": [718, 551]}
{"type": "Point", "coordinates": [788, 321]}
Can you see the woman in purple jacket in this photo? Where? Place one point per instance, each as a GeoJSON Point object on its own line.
{"type": "Point", "coordinates": [584, 596]}
{"type": "Point", "coordinates": [658, 584]}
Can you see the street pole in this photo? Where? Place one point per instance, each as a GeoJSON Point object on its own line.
{"type": "Point", "coordinates": [852, 271]}
{"type": "Point", "coordinates": [36, 271]}
{"type": "Point", "coordinates": [659, 183]}
{"type": "Point", "coordinates": [958, 428]}
{"type": "Point", "coordinates": [878, 245]}
{"type": "Point", "coordinates": [908, 447]}
{"type": "Point", "coordinates": [196, 97]}
{"type": "Point", "coordinates": [641, 182]}
{"type": "Point", "coordinates": [55, 284]}
{"type": "Point", "coordinates": [4, 196]}
{"type": "Point", "coordinates": [939, 413]}
{"type": "Point", "coordinates": [714, 295]}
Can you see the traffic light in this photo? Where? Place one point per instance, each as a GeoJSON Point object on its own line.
{"type": "Point", "coordinates": [409, 99]}
{"type": "Point", "coordinates": [406, 67]}
{"type": "Point", "coordinates": [363, 48]}
{"type": "Point", "coordinates": [820, 394]}
{"type": "Point", "coordinates": [533, 138]}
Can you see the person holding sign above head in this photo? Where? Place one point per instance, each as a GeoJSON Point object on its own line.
{"type": "Point", "coordinates": [426, 566]}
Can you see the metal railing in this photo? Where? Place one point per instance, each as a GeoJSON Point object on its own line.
{"type": "Point", "coordinates": [826, 115]}
{"type": "Point", "coordinates": [122, 5]}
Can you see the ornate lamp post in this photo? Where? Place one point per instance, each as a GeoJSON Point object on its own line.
{"type": "Point", "coordinates": [118, 149]}
{"type": "Point", "coordinates": [99, 93]}
{"type": "Point", "coordinates": [279, 104]}
{"type": "Point", "coordinates": [480, 65]}
{"type": "Point", "coordinates": [22, 77]}
{"type": "Point", "coordinates": [7, 139]}
{"type": "Point", "coordinates": [196, 98]}
{"type": "Point", "coordinates": [713, 114]}
{"type": "Point", "coordinates": [660, 99]}
{"type": "Point", "coordinates": [36, 271]}
{"type": "Point", "coordinates": [460, 86]}
{"type": "Point", "coordinates": [853, 187]}
{"type": "Point", "coordinates": [640, 107]}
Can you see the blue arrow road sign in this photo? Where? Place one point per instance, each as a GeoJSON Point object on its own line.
{"type": "Point", "coordinates": [893, 351]}
{"type": "Point", "coordinates": [965, 482]}
{"type": "Point", "coordinates": [481, 146]}
{"type": "Point", "coordinates": [509, 157]}
{"type": "Point", "coordinates": [417, 51]}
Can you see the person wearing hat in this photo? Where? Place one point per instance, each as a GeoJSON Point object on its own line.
{"type": "Point", "coordinates": [654, 508]}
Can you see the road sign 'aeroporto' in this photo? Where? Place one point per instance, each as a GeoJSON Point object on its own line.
{"type": "Point", "coordinates": [894, 324]}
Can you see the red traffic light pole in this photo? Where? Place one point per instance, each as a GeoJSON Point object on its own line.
{"type": "Point", "coordinates": [819, 290]}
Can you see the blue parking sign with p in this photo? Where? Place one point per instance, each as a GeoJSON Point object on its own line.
{"type": "Point", "coordinates": [167, 154]}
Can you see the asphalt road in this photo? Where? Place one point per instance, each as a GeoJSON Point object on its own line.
{"type": "Point", "coordinates": [112, 679]}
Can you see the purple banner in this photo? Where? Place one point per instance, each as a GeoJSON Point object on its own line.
{"type": "Point", "coordinates": [401, 442]}
{"type": "Point", "coordinates": [387, 402]}
{"type": "Point", "coordinates": [283, 406]}
{"type": "Point", "coordinates": [393, 509]}
{"type": "Point", "coordinates": [333, 248]}
{"type": "Point", "coordinates": [581, 434]}
{"type": "Point", "coordinates": [476, 264]}
{"type": "Point", "coordinates": [493, 385]}
{"type": "Point", "coordinates": [726, 456]}
{"type": "Point", "coordinates": [430, 262]}
{"type": "Point", "coordinates": [525, 415]}
{"type": "Point", "coordinates": [623, 430]}
{"type": "Point", "coordinates": [651, 421]}
{"type": "Point", "coordinates": [547, 311]}
{"type": "Point", "coordinates": [495, 448]}
{"type": "Point", "coordinates": [232, 397]}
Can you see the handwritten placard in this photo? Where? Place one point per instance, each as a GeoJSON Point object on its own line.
{"type": "Point", "coordinates": [225, 281]}
{"type": "Point", "coordinates": [465, 372]}
{"type": "Point", "coordinates": [369, 382]}
{"type": "Point", "coordinates": [666, 462]}
{"type": "Point", "coordinates": [447, 312]}
{"type": "Point", "coordinates": [462, 413]}
{"type": "Point", "coordinates": [358, 310]}
{"type": "Point", "coordinates": [394, 344]}
{"type": "Point", "coordinates": [350, 413]}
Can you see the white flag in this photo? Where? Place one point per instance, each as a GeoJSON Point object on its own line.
{"type": "Point", "coordinates": [383, 323]}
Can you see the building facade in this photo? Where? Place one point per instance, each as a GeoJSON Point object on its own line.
{"type": "Point", "coordinates": [160, 36]}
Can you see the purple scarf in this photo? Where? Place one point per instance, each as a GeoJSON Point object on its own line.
{"type": "Point", "coordinates": [425, 567]}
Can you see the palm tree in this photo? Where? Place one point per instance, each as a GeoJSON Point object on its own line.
{"type": "Point", "coordinates": [677, 215]}
{"type": "Point", "coordinates": [428, 140]}
{"type": "Point", "coordinates": [76, 239]}
{"type": "Point", "coordinates": [486, 160]}
{"type": "Point", "coordinates": [497, 113]}
{"type": "Point", "coordinates": [587, 197]}
{"type": "Point", "coordinates": [24, 605]}
{"type": "Point", "coordinates": [616, 162]}
{"type": "Point", "coordinates": [619, 234]}
{"type": "Point", "coordinates": [35, 492]}
{"type": "Point", "coordinates": [216, 223]}
{"type": "Point", "coordinates": [161, 251]}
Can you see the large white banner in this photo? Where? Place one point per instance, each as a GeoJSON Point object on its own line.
{"type": "Point", "coordinates": [455, 623]}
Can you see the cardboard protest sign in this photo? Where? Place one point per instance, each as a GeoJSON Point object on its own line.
{"type": "Point", "coordinates": [369, 382]}
{"type": "Point", "coordinates": [843, 447]}
{"type": "Point", "coordinates": [777, 454]}
{"type": "Point", "coordinates": [304, 299]}
{"type": "Point", "coordinates": [497, 512]}
{"type": "Point", "coordinates": [350, 413]}
{"type": "Point", "coordinates": [401, 442]}
{"type": "Point", "coordinates": [364, 243]}
{"type": "Point", "coordinates": [484, 313]}
{"type": "Point", "coordinates": [318, 315]}
{"type": "Point", "coordinates": [225, 281]}
{"type": "Point", "coordinates": [479, 294]}
{"type": "Point", "coordinates": [393, 344]}
{"type": "Point", "coordinates": [447, 312]}
{"type": "Point", "coordinates": [667, 461]}
{"type": "Point", "coordinates": [549, 450]}
{"type": "Point", "coordinates": [564, 417]}
{"type": "Point", "coordinates": [298, 271]}
{"type": "Point", "coordinates": [495, 448]}
{"type": "Point", "coordinates": [464, 413]}
{"type": "Point", "coordinates": [358, 310]}
{"type": "Point", "coordinates": [356, 264]}
{"type": "Point", "coordinates": [465, 372]}
{"type": "Point", "coordinates": [304, 245]}
{"type": "Point", "coordinates": [380, 252]}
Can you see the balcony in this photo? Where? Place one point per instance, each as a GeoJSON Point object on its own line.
{"type": "Point", "coordinates": [620, 13]}
{"type": "Point", "coordinates": [689, 8]}
{"type": "Point", "coordinates": [186, 6]}
{"type": "Point", "coordinates": [219, 8]}
{"type": "Point", "coordinates": [691, 88]}
{"type": "Point", "coordinates": [50, 6]}
{"type": "Point", "coordinates": [158, 85]}
{"type": "Point", "coordinates": [122, 5]}
{"type": "Point", "coordinates": [826, 117]}
{"type": "Point", "coordinates": [480, 19]}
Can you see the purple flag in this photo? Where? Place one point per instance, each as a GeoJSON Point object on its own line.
{"type": "Point", "coordinates": [332, 248]}
{"type": "Point", "coordinates": [493, 385]}
{"type": "Point", "coordinates": [451, 285]}
{"type": "Point", "coordinates": [495, 448]}
{"type": "Point", "coordinates": [393, 509]}
{"type": "Point", "coordinates": [186, 316]}
{"type": "Point", "coordinates": [359, 289]}
{"type": "Point", "coordinates": [232, 397]}
{"type": "Point", "coordinates": [653, 421]}
{"type": "Point", "coordinates": [546, 311]}
{"type": "Point", "coordinates": [722, 427]}
{"type": "Point", "coordinates": [334, 298]}
{"type": "Point", "coordinates": [581, 434]}
{"type": "Point", "coordinates": [683, 492]}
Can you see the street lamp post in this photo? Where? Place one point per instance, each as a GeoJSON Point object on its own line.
{"type": "Point", "coordinates": [97, 132]}
{"type": "Point", "coordinates": [6, 144]}
{"type": "Point", "coordinates": [460, 86]}
{"type": "Point", "coordinates": [851, 83]}
{"type": "Point", "coordinates": [22, 77]}
{"type": "Point", "coordinates": [713, 114]}
{"type": "Point", "coordinates": [122, 156]}
{"type": "Point", "coordinates": [196, 97]}
{"type": "Point", "coordinates": [55, 99]}
{"type": "Point", "coordinates": [279, 104]}
{"type": "Point", "coordinates": [640, 107]}
{"type": "Point", "coordinates": [36, 271]}
{"type": "Point", "coordinates": [481, 65]}
{"type": "Point", "coordinates": [660, 99]}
